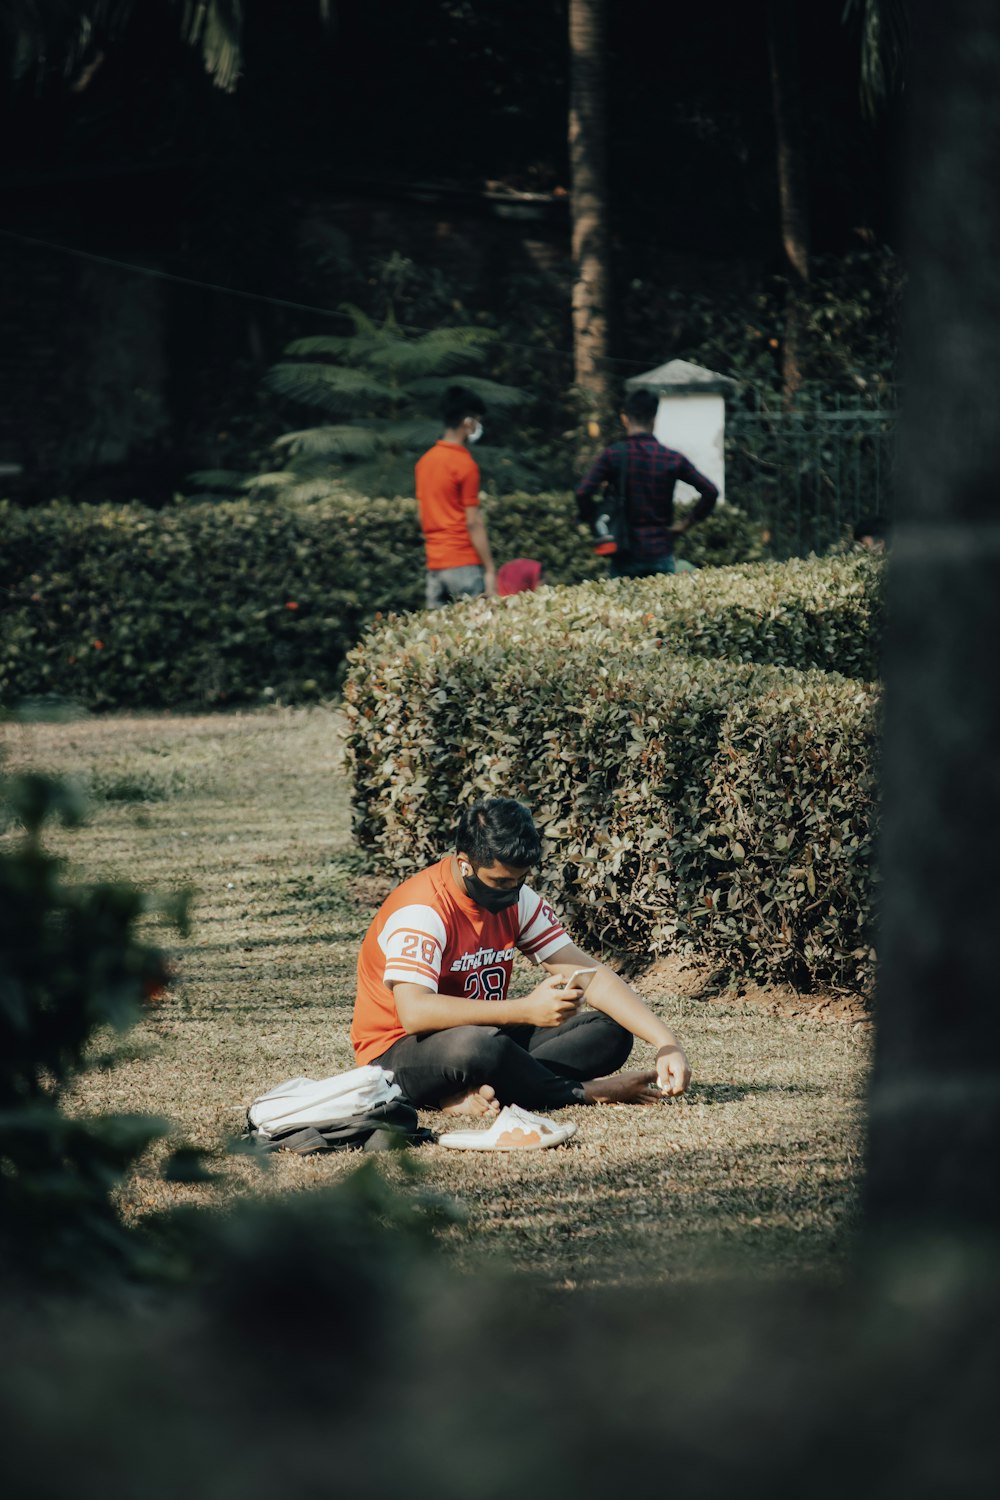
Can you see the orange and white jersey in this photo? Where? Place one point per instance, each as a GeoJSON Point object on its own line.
{"type": "Point", "coordinates": [429, 931]}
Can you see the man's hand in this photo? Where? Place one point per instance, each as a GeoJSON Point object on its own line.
{"type": "Point", "coordinates": [549, 1003]}
{"type": "Point", "coordinates": [490, 584]}
{"type": "Point", "coordinates": [678, 528]}
{"type": "Point", "coordinates": [672, 1070]}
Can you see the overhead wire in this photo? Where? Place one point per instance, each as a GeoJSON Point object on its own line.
{"type": "Point", "coordinates": [157, 274]}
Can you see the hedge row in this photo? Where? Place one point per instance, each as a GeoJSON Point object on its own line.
{"type": "Point", "coordinates": [807, 613]}
{"type": "Point", "coordinates": [229, 602]}
{"type": "Point", "coordinates": [685, 802]}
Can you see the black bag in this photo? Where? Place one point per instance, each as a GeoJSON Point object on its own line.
{"type": "Point", "coordinates": [379, 1129]}
{"type": "Point", "coordinates": [608, 520]}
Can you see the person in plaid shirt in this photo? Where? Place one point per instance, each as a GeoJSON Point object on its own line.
{"type": "Point", "coordinates": [651, 471]}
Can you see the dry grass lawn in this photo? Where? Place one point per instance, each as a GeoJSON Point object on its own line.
{"type": "Point", "coordinates": [755, 1170]}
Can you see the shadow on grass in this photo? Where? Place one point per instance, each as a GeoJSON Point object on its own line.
{"type": "Point", "coordinates": [659, 1213]}
{"type": "Point", "coordinates": [125, 1051]}
{"type": "Point", "coordinates": [279, 940]}
{"type": "Point", "coordinates": [732, 1093]}
{"type": "Point", "coordinates": [298, 911]}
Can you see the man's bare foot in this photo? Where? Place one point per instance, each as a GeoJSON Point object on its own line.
{"type": "Point", "coordinates": [481, 1101]}
{"type": "Point", "coordinates": [623, 1088]}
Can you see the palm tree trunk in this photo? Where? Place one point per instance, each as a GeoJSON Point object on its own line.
{"type": "Point", "coordinates": [934, 1140]}
{"type": "Point", "coordinates": [588, 167]}
{"type": "Point", "coordinates": [782, 41]}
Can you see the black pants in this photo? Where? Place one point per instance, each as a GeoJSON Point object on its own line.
{"type": "Point", "coordinates": [539, 1067]}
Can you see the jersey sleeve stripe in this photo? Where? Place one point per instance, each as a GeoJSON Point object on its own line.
{"type": "Point", "coordinates": [417, 920]}
{"type": "Point", "coordinates": [417, 932]}
{"type": "Point", "coordinates": [526, 926]}
{"type": "Point", "coordinates": [544, 937]}
{"type": "Point", "coordinates": [547, 950]}
{"type": "Point", "coordinates": [404, 932]}
{"type": "Point", "coordinates": [407, 966]}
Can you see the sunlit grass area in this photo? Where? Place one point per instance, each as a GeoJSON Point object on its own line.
{"type": "Point", "coordinates": [756, 1169]}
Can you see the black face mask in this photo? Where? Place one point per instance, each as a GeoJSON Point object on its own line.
{"type": "Point", "coordinates": [488, 897]}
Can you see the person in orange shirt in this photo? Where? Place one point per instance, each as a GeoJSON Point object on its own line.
{"type": "Point", "coordinates": [433, 973]}
{"type": "Point", "coordinates": [459, 560]}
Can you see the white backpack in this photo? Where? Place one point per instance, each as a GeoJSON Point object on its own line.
{"type": "Point", "coordinates": [360, 1108]}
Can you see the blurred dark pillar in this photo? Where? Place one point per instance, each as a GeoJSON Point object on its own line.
{"type": "Point", "coordinates": [934, 1151]}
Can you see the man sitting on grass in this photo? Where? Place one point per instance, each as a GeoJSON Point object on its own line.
{"type": "Point", "coordinates": [433, 973]}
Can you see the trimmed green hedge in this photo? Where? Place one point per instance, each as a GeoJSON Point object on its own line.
{"type": "Point", "coordinates": [722, 806]}
{"type": "Point", "coordinates": [229, 602]}
{"type": "Point", "coordinates": [197, 604]}
{"type": "Point", "coordinates": [807, 613]}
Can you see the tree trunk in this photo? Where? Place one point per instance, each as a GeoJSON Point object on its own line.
{"type": "Point", "coordinates": [934, 1142]}
{"type": "Point", "coordinates": [588, 168]}
{"type": "Point", "coordinates": [783, 52]}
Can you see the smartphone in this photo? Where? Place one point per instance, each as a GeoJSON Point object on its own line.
{"type": "Point", "coordinates": [570, 982]}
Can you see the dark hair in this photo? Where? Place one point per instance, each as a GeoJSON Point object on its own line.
{"type": "Point", "coordinates": [641, 406]}
{"type": "Point", "coordinates": [498, 830]}
{"type": "Point", "coordinates": [873, 526]}
{"type": "Point", "coordinates": [457, 403]}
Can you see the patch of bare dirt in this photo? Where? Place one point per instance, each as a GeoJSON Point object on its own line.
{"type": "Point", "coordinates": [676, 974]}
{"type": "Point", "coordinates": [370, 891]}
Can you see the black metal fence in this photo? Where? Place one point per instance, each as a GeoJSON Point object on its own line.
{"type": "Point", "coordinates": [809, 475]}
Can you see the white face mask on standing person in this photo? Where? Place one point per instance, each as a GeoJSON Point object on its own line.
{"type": "Point", "coordinates": [476, 432]}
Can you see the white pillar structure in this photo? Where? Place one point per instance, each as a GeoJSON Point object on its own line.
{"type": "Point", "coordinates": [691, 416]}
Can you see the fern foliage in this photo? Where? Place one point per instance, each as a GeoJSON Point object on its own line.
{"type": "Point", "coordinates": [379, 389]}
